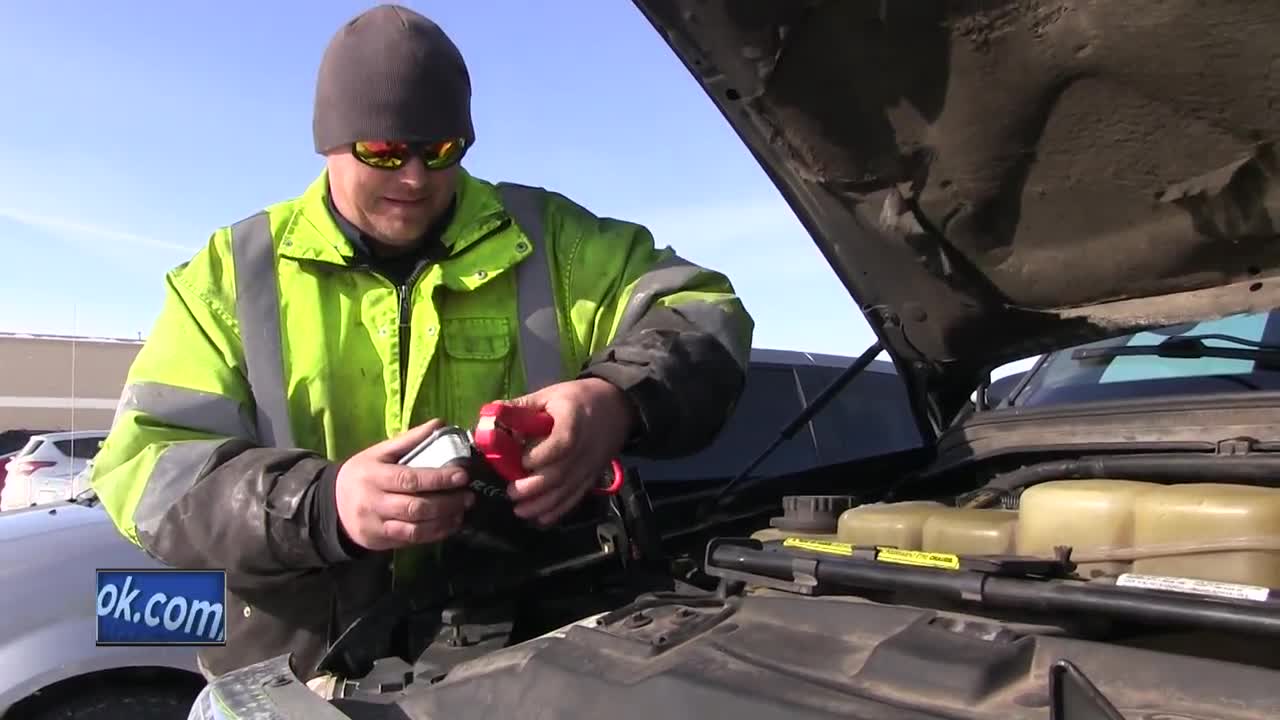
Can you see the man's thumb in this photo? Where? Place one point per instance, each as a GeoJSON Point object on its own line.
{"type": "Point", "coordinates": [393, 449]}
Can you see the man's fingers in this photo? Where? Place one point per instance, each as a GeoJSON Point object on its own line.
{"type": "Point", "coordinates": [407, 533]}
{"type": "Point", "coordinates": [409, 481]}
{"type": "Point", "coordinates": [397, 447]}
{"type": "Point", "coordinates": [564, 507]}
{"type": "Point", "coordinates": [419, 508]}
{"type": "Point", "coordinates": [557, 487]}
{"type": "Point", "coordinates": [554, 447]}
{"type": "Point", "coordinates": [527, 488]}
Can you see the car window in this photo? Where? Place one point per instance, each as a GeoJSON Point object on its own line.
{"type": "Point", "coordinates": [769, 401]}
{"type": "Point", "coordinates": [13, 441]}
{"type": "Point", "coordinates": [1064, 379]}
{"type": "Point", "coordinates": [869, 416]}
{"type": "Point", "coordinates": [79, 448]}
{"type": "Point", "coordinates": [33, 444]}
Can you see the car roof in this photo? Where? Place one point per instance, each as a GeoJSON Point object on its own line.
{"type": "Point", "coordinates": [70, 435]}
{"type": "Point", "coordinates": [770, 356]}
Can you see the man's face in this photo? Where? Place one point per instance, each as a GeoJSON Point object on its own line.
{"type": "Point", "coordinates": [395, 207]}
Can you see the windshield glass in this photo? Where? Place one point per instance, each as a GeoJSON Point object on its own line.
{"type": "Point", "coordinates": [1065, 377]}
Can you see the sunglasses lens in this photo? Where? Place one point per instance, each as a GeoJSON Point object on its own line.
{"type": "Point", "coordinates": [382, 153]}
{"type": "Point", "coordinates": [391, 155]}
{"type": "Point", "coordinates": [442, 154]}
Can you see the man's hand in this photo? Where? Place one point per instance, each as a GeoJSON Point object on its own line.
{"type": "Point", "coordinates": [593, 420]}
{"type": "Point", "coordinates": [383, 506]}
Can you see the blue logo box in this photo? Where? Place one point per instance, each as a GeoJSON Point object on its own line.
{"type": "Point", "coordinates": [161, 607]}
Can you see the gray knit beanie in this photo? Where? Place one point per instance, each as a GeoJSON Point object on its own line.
{"type": "Point", "coordinates": [391, 74]}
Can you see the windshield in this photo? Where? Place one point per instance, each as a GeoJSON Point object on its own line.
{"type": "Point", "coordinates": [1175, 360]}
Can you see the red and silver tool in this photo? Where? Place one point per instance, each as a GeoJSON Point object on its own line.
{"type": "Point", "coordinates": [505, 431]}
{"type": "Point", "coordinates": [502, 435]}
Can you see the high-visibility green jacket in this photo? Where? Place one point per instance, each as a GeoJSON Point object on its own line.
{"type": "Point", "coordinates": [280, 351]}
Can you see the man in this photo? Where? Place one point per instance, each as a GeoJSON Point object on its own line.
{"type": "Point", "coordinates": [396, 294]}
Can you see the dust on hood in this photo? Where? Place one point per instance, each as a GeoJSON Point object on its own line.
{"type": "Point", "coordinates": [993, 180]}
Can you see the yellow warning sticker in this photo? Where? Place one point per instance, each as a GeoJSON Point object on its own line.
{"type": "Point", "coordinates": [918, 559]}
{"type": "Point", "coordinates": [822, 546]}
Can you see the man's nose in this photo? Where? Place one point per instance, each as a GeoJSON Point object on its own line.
{"type": "Point", "coordinates": [414, 172]}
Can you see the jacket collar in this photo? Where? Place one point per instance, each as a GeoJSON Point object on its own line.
{"type": "Point", "coordinates": [312, 233]}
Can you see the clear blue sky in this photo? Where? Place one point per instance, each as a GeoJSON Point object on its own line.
{"type": "Point", "coordinates": [133, 129]}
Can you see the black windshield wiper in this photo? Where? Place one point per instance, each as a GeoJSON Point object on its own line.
{"type": "Point", "coordinates": [1188, 347]}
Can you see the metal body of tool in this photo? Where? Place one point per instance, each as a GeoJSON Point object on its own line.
{"type": "Point", "coordinates": [454, 446]}
{"type": "Point", "coordinates": [489, 524]}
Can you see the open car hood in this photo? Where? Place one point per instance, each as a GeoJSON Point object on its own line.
{"type": "Point", "coordinates": [994, 180]}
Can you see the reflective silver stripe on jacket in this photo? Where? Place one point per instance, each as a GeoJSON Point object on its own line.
{"type": "Point", "coordinates": [173, 475]}
{"type": "Point", "coordinates": [177, 469]}
{"type": "Point", "coordinates": [258, 314]}
{"type": "Point", "coordinates": [186, 408]}
{"type": "Point", "coordinates": [535, 297]}
{"type": "Point", "coordinates": [665, 277]}
{"type": "Point", "coordinates": [670, 276]}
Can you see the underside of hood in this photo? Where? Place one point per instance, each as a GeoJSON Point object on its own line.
{"type": "Point", "coordinates": [994, 180]}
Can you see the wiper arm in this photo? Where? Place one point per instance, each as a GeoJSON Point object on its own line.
{"type": "Point", "coordinates": [1189, 347]}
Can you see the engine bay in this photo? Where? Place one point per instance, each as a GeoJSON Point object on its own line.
{"type": "Point", "coordinates": [1074, 599]}
{"type": "Point", "coordinates": [1004, 599]}
{"type": "Point", "coordinates": [1220, 539]}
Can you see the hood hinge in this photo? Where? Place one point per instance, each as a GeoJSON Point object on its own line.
{"type": "Point", "coordinates": [1236, 446]}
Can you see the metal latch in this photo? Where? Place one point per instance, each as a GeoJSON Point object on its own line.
{"type": "Point", "coordinates": [1236, 446]}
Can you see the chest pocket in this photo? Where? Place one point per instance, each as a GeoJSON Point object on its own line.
{"type": "Point", "coordinates": [479, 351]}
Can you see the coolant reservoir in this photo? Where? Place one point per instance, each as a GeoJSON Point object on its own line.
{"type": "Point", "coordinates": [898, 525]}
{"type": "Point", "coordinates": [1087, 515]}
{"type": "Point", "coordinates": [970, 532]}
{"type": "Point", "coordinates": [814, 517]}
{"type": "Point", "coordinates": [774, 534]}
{"type": "Point", "coordinates": [1207, 515]}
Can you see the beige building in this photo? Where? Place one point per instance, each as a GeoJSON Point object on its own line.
{"type": "Point", "coordinates": [56, 382]}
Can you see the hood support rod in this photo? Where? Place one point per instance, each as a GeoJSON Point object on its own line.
{"type": "Point", "coordinates": [823, 398]}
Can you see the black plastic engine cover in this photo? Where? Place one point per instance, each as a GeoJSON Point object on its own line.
{"type": "Point", "coordinates": [779, 656]}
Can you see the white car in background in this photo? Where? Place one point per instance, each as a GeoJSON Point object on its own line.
{"type": "Point", "coordinates": [50, 668]}
{"type": "Point", "coordinates": [43, 471]}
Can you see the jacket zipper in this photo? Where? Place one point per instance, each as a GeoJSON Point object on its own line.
{"type": "Point", "coordinates": [403, 327]}
{"type": "Point", "coordinates": [406, 324]}
{"type": "Point", "coordinates": [404, 314]}
{"type": "Point", "coordinates": [404, 318]}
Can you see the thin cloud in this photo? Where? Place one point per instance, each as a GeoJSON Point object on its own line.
{"type": "Point", "coordinates": [88, 230]}
{"type": "Point", "coordinates": [716, 228]}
